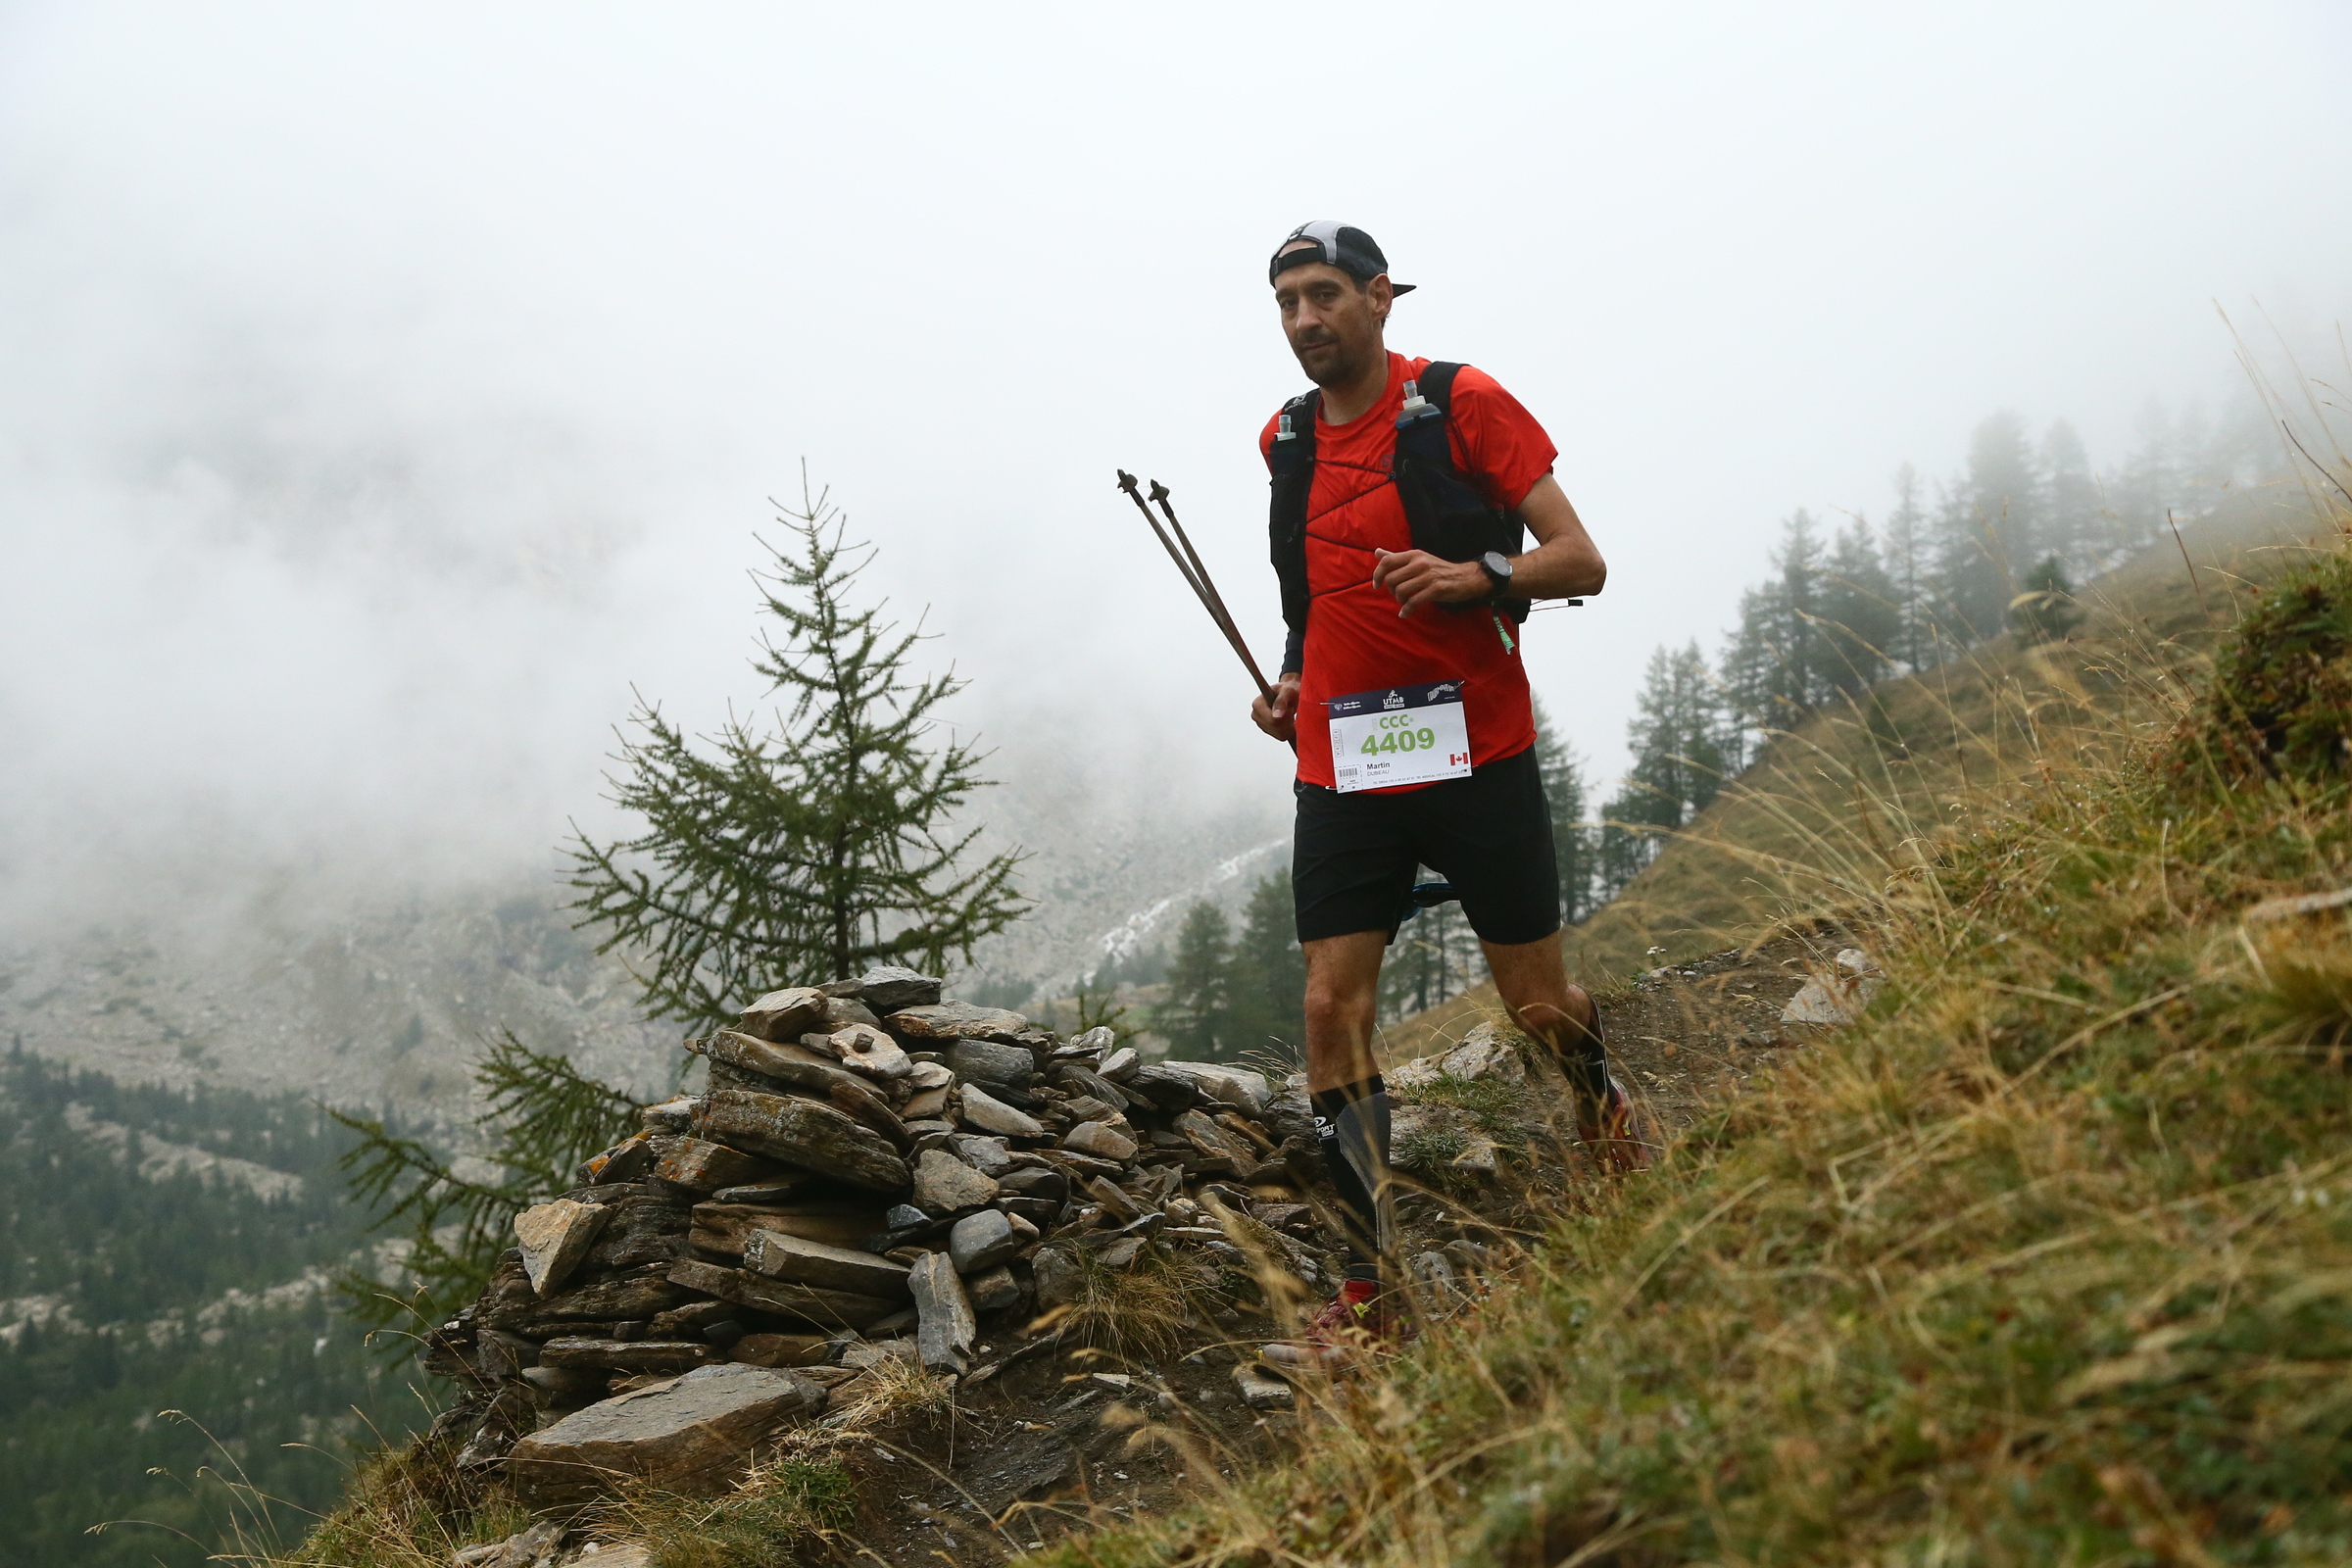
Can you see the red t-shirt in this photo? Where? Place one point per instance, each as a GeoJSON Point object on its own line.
{"type": "Point", "coordinates": [1355, 641]}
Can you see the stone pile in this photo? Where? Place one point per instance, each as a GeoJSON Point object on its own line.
{"type": "Point", "coordinates": [870, 1173]}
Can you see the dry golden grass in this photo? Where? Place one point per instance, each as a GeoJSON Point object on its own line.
{"type": "Point", "coordinates": [2047, 1258]}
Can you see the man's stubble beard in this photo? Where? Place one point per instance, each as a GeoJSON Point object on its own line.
{"type": "Point", "coordinates": [1344, 370]}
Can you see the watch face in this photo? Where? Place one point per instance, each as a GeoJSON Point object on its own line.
{"type": "Point", "coordinates": [1498, 563]}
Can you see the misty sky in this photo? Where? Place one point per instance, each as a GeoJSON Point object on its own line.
{"type": "Point", "coordinates": [389, 387]}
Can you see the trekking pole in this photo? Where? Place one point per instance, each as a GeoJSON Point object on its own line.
{"type": "Point", "coordinates": [1199, 585]}
{"type": "Point", "coordinates": [1195, 577]}
{"type": "Point", "coordinates": [1216, 601]}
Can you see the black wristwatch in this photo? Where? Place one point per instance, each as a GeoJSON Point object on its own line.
{"type": "Point", "coordinates": [1497, 567]}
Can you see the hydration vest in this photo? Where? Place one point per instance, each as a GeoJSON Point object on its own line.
{"type": "Point", "coordinates": [1449, 516]}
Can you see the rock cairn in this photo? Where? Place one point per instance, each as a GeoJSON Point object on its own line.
{"type": "Point", "coordinates": [871, 1172]}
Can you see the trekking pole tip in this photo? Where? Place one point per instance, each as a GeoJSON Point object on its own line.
{"type": "Point", "coordinates": [1159, 492]}
{"type": "Point", "coordinates": [1126, 481]}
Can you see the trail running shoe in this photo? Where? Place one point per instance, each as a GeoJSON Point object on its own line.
{"type": "Point", "coordinates": [1357, 1320]}
{"type": "Point", "coordinates": [1614, 1134]}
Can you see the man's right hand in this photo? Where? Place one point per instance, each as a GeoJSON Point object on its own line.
{"type": "Point", "coordinates": [1280, 718]}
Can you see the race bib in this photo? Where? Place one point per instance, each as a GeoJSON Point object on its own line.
{"type": "Point", "coordinates": [1405, 735]}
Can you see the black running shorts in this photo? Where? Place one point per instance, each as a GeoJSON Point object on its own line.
{"type": "Point", "coordinates": [1353, 859]}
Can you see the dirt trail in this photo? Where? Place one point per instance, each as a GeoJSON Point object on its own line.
{"type": "Point", "coordinates": [1049, 1443]}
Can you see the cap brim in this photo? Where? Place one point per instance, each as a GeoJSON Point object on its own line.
{"type": "Point", "coordinates": [1396, 287]}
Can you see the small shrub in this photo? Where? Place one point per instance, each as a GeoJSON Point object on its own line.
{"type": "Point", "coordinates": [2281, 698]}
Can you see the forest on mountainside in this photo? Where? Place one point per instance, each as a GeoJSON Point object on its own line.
{"type": "Point", "coordinates": [137, 1279]}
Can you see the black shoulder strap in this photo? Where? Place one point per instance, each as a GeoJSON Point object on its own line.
{"type": "Point", "coordinates": [1292, 461]}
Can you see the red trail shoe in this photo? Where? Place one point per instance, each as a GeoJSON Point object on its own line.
{"type": "Point", "coordinates": [1359, 1320]}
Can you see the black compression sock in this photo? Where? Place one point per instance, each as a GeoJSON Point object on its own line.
{"type": "Point", "coordinates": [1351, 1124]}
{"type": "Point", "coordinates": [1583, 1055]}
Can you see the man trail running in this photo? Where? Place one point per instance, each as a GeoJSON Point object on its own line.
{"type": "Point", "coordinates": [1403, 687]}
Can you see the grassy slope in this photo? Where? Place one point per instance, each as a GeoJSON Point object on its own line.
{"type": "Point", "coordinates": [1788, 832]}
{"type": "Point", "coordinates": [2046, 1260]}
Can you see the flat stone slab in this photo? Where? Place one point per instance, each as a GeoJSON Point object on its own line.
{"type": "Point", "coordinates": [993, 1290]}
{"type": "Point", "coordinates": [780, 1256]}
{"type": "Point", "coordinates": [945, 1323]}
{"type": "Point", "coordinates": [864, 1048]}
{"type": "Point", "coordinates": [556, 1237]}
{"type": "Point", "coordinates": [888, 988]}
{"type": "Point", "coordinates": [694, 1434]}
{"type": "Point", "coordinates": [702, 1166]}
{"type": "Point", "coordinates": [813, 1304]}
{"type": "Point", "coordinates": [804, 1134]}
{"type": "Point", "coordinates": [1236, 1086]}
{"type": "Point", "coordinates": [624, 1298]}
{"type": "Point", "coordinates": [627, 1355]}
{"type": "Point", "coordinates": [990, 1114]}
{"type": "Point", "coordinates": [785, 1015]}
{"type": "Point", "coordinates": [991, 1062]}
{"type": "Point", "coordinates": [1101, 1140]}
{"type": "Point", "coordinates": [954, 1021]}
{"type": "Point", "coordinates": [943, 1184]}
{"type": "Point", "coordinates": [726, 1227]}
{"type": "Point", "coordinates": [1259, 1391]}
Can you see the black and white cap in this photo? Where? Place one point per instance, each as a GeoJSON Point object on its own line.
{"type": "Point", "coordinates": [1349, 249]}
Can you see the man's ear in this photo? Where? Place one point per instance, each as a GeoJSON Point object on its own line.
{"type": "Point", "coordinates": [1383, 295]}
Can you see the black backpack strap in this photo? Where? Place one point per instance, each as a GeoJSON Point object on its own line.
{"type": "Point", "coordinates": [1450, 516]}
{"type": "Point", "coordinates": [1292, 461]}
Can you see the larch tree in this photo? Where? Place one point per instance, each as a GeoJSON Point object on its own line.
{"type": "Point", "coordinates": [809, 849]}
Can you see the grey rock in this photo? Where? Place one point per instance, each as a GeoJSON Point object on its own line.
{"type": "Point", "coordinates": [499, 1355]}
{"type": "Point", "coordinates": [693, 1434]}
{"type": "Point", "coordinates": [986, 1155]}
{"type": "Point", "coordinates": [1036, 1181]}
{"type": "Point", "coordinates": [922, 1076]}
{"type": "Point", "coordinates": [625, 1298]}
{"type": "Point", "coordinates": [984, 1240]}
{"type": "Point", "coordinates": [669, 1116]}
{"type": "Point", "coordinates": [784, 1014]}
{"type": "Point", "coordinates": [742, 1064]}
{"type": "Point", "coordinates": [989, 1062]}
{"type": "Point", "coordinates": [956, 1020]}
{"type": "Point", "coordinates": [804, 1134]}
{"type": "Point", "coordinates": [946, 1327]}
{"type": "Point", "coordinates": [981, 1239]}
{"type": "Point", "coordinates": [625, 1355]}
{"type": "Point", "coordinates": [1259, 1391]}
{"type": "Point", "coordinates": [625, 1161]}
{"type": "Point", "coordinates": [1120, 1065]}
{"type": "Point", "coordinates": [837, 1268]}
{"type": "Point", "coordinates": [702, 1166]}
{"type": "Point", "coordinates": [990, 1114]}
{"type": "Point", "coordinates": [1169, 1091]}
{"type": "Point", "coordinates": [781, 1190]}
{"type": "Point", "coordinates": [1235, 1085]}
{"type": "Point", "coordinates": [1100, 1140]}
{"type": "Point", "coordinates": [555, 1238]}
{"type": "Point", "coordinates": [1100, 1039]}
{"type": "Point", "coordinates": [843, 1012]}
{"type": "Point", "coordinates": [813, 1304]}
{"type": "Point", "coordinates": [993, 1290]}
{"type": "Point", "coordinates": [889, 987]}
{"type": "Point", "coordinates": [1122, 1252]}
{"type": "Point", "coordinates": [729, 1227]}
{"type": "Point", "coordinates": [943, 1184]}
{"type": "Point", "coordinates": [1060, 1277]}
{"type": "Point", "coordinates": [864, 1048]}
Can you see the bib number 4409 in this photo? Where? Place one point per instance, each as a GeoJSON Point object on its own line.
{"type": "Point", "coordinates": [1404, 735]}
{"type": "Point", "coordinates": [1399, 739]}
